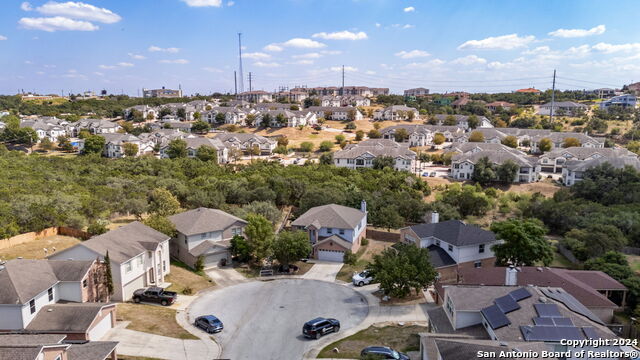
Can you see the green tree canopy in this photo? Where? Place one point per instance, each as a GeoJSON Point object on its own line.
{"type": "Point", "coordinates": [161, 224]}
{"type": "Point", "coordinates": [290, 246]}
{"type": "Point", "coordinates": [476, 136]}
{"type": "Point", "coordinates": [260, 233]}
{"type": "Point", "coordinates": [510, 141]}
{"type": "Point", "coordinates": [402, 268]}
{"type": "Point", "coordinates": [130, 149]}
{"type": "Point", "coordinates": [524, 243]}
{"type": "Point", "coordinates": [162, 202]}
{"type": "Point", "coordinates": [177, 149]}
{"type": "Point", "coordinates": [207, 153]}
{"type": "Point", "coordinates": [545, 144]}
{"type": "Point", "coordinates": [94, 144]}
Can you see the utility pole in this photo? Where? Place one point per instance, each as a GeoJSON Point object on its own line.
{"type": "Point", "coordinates": [553, 97]}
{"type": "Point", "coordinates": [342, 91]}
{"type": "Point", "coordinates": [250, 79]}
{"type": "Point", "coordinates": [235, 82]}
{"type": "Point", "coordinates": [240, 60]}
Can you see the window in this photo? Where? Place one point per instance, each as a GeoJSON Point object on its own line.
{"type": "Point", "coordinates": [95, 278]}
{"type": "Point", "coordinates": [186, 241]}
{"type": "Point", "coordinates": [481, 248]}
{"type": "Point", "coordinates": [203, 236]}
{"type": "Point", "coordinates": [341, 231]}
{"type": "Point", "coordinates": [140, 260]}
{"type": "Point", "coordinates": [32, 306]}
{"type": "Point", "coordinates": [164, 265]}
{"type": "Point", "coordinates": [450, 247]}
{"type": "Point", "coordinates": [449, 306]}
{"type": "Point", "coordinates": [477, 264]}
{"type": "Point", "coordinates": [330, 230]}
{"type": "Point", "coordinates": [236, 231]}
{"type": "Point", "coordinates": [437, 242]}
{"type": "Point", "coordinates": [50, 293]}
{"type": "Point", "coordinates": [84, 283]}
{"type": "Point", "coordinates": [127, 267]}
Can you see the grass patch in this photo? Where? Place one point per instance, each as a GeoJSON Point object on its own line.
{"type": "Point", "coordinates": [400, 338]}
{"type": "Point", "coordinates": [185, 281]}
{"type": "Point", "coordinates": [34, 249]}
{"type": "Point", "coordinates": [152, 319]}
{"type": "Point", "coordinates": [346, 271]}
{"type": "Point", "coordinates": [251, 271]}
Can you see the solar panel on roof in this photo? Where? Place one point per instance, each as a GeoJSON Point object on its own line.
{"type": "Point", "coordinates": [543, 321]}
{"type": "Point", "coordinates": [571, 302]}
{"type": "Point", "coordinates": [547, 310]}
{"type": "Point", "coordinates": [495, 317]}
{"type": "Point", "coordinates": [562, 321]}
{"type": "Point", "coordinates": [590, 333]}
{"type": "Point", "coordinates": [507, 304]}
{"type": "Point", "coordinates": [550, 333]}
{"type": "Point", "coordinates": [520, 294]}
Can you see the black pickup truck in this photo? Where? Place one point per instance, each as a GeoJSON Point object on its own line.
{"type": "Point", "coordinates": [155, 294]}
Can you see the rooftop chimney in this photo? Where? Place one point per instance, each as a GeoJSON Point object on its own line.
{"type": "Point", "coordinates": [435, 217]}
{"type": "Point", "coordinates": [511, 276]}
{"type": "Point", "coordinates": [363, 206]}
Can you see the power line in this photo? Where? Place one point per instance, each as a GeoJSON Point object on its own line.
{"type": "Point", "coordinates": [586, 81]}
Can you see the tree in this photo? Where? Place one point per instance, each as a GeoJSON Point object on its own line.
{"type": "Point", "coordinates": [64, 143]}
{"type": "Point", "coordinates": [571, 142]}
{"type": "Point", "coordinates": [510, 141]}
{"type": "Point", "coordinates": [83, 134]}
{"type": "Point", "coordinates": [283, 141]}
{"type": "Point", "coordinates": [26, 136]}
{"type": "Point", "coordinates": [438, 138]}
{"type": "Point", "coordinates": [46, 144]}
{"type": "Point", "coordinates": [402, 268]}
{"type": "Point", "coordinates": [290, 246]}
{"type": "Point", "coordinates": [281, 149]}
{"type": "Point", "coordinates": [260, 233]}
{"type": "Point", "coordinates": [388, 217]}
{"type": "Point", "coordinates": [176, 149]}
{"type": "Point", "coordinates": [220, 117]}
{"type": "Point", "coordinates": [325, 146]}
{"type": "Point", "coordinates": [612, 263]}
{"type": "Point", "coordinates": [401, 135]}
{"type": "Point", "coordinates": [381, 162]}
{"type": "Point", "coordinates": [359, 135]}
{"type": "Point", "coordinates": [162, 224]}
{"type": "Point", "coordinates": [130, 149]}
{"type": "Point", "coordinates": [349, 258]}
{"type": "Point", "coordinates": [250, 120]}
{"type": "Point", "coordinates": [450, 120]}
{"type": "Point", "coordinates": [326, 158]}
{"type": "Point", "coordinates": [476, 136]}
{"type": "Point", "coordinates": [108, 278]}
{"type": "Point", "coordinates": [524, 243]}
{"type": "Point", "coordinates": [281, 119]}
{"type": "Point", "coordinates": [374, 134]}
{"type": "Point", "coordinates": [97, 228]}
{"type": "Point", "coordinates": [473, 121]}
{"type": "Point", "coordinates": [306, 146]}
{"type": "Point", "coordinates": [411, 115]}
{"type": "Point", "coordinates": [181, 114]}
{"type": "Point", "coordinates": [207, 153]}
{"type": "Point", "coordinates": [200, 127]}
{"type": "Point", "coordinates": [507, 172]}
{"type": "Point", "coordinates": [94, 144]}
{"type": "Point", "coordinates": [350, 126]}
{"type": "Point", "coordinates": [594, 240]}
{"type": "Point", "coordinates": [162, 202]}
{"type": "Point", "coordinates": [351, 115]}
{"type": "Point", "coordinates": [339, 138]}
{"type": "Point", "coordinates": [545, 144]}
{"type": "Point", "coordinates": [483, 171]}
{"type": "Point", "coordinates": [240, 248]}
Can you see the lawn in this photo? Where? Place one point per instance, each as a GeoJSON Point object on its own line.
{"type": "Point", "coordinates": [634, 262]}
{"type": "Point", "coordinates": [185, 281]}
{"type": "Point", "coordinates": [365, 255]}
{"type": "Point", "coordinates": [34, 249]}
{"type": "Point", "coordinates": [153, 319]}
{"type": "Point", "coordinates": [400, 338]}
{"type": "Point", "coordinates": [252, 271]}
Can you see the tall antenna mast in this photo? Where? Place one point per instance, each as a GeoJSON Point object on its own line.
{"type": "Point", "coordinates": [342, 90]}
{"type": "Point", "coordinates": [235, 82]}
{"type": "Point", "coordinates": [240, 59]}
{"type": "Point", "coordinates": [553, 97]}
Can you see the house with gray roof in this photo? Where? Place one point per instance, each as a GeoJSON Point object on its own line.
{"type": "Point", "coordinates": [340, 113]}
{"type": "Point", "coordinates": [562, 108]}
{"type": "Point", "coordinates": [452, 245]}
{"type": "Point", "coordinates": [95, 126]}
{"type": "Point", "coordinates": [333, 229]}
{"type": "Point", "coordinates": [462, 121]}
{"type": "Point", "coordinates": [52, 346]}
{"type": "Point", "coordinates": [573, 170]}
{"type": "Point", "coordinates": [555, 160]}
{"type": "Point", "coordinates": [396, 113]}
{"type": "Point", "coordinates": [139, 257]}
{"type": "Point", "coordinates": [247, 141]}
{"type": "Point", "coordinates": [286, 118]}
{"type": "Point", "coordinates": [422, 135]}
{"type": "Point", "coordinates": [114, 145]}
{"type": "Point", "coordinates": [363, 154]}
{"type": "Point", "coordinates": [195, 142]}
{"type": "Point", "coordinates": [205, 232]}
{"type": "Point", "coordinates": [463, 165]}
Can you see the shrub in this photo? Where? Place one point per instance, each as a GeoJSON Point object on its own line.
{"type": "Point", "coordinates": [350, 258]}
{"type": "Point", "coordinates": [364, 242]}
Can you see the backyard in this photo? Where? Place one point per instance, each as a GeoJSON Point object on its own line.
{"type": "Point", "coordinates": [399, 338]}
{"type": "Point", "coordinates": [185, 281]}
{"type": "Point", "coordinates": [365, 255]}
{"type": "Point", "coordinates": [35, 249]}
{"type": "Point", "coordinates": [153, 319]}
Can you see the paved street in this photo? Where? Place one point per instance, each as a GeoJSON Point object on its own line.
{"type": "Point", "coordinates": [264, 319]}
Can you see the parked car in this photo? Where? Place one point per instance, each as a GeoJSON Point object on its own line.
{"type": "Point", "coordinates": [362, 278]}
{"type": "Point", "coordinates": [156, 295]}
{"type": "Point", "coordinates": [425, 174]}
{"type": "Point", "coordinates": [318, 327]}
{"type": "Point", "coordinates": [209, 323]}
{"type": "Point", "coordinates": [382, 352]}
{"type": "Point", "coordinates": [433, 174]}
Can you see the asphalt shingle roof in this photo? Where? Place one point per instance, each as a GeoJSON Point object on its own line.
{"type": "Point", "coordinates": [93, 350]}
{"type": "Point", "coordinates": [455, 232]}
{"type": "Point", "coordinates": [67, 317]}
{"type": "Point", "coordinates": [331, 216]}
{"type": "Point", "coordinates": [203, 220]}
{"type": "Point", "coordinates": [438, 257]}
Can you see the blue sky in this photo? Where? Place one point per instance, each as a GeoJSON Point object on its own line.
{"type": "Point", "coordinates": [125, 45]}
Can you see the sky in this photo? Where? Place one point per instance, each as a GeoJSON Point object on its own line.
{"type": "Point", "coordinates": [123, 46]}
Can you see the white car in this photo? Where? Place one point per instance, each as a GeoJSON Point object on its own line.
{"type": "Point", "coordinates": [362, 278]}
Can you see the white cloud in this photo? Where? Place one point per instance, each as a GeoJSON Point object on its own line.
{"type": "Point", "coordinates": [174, 61]}
{"type": "Point", "coordinates": [203, 3]}
{"type": "Point", "coordinates": [331, 52]}
{"type": "Point", "coordinates": [99, 73]}
{"type": "Point", "coordinates": [107, 67]}
{"type": "Point", "coordinates": [256, 55]}
{"type": "Point", "coordinates": [50, 66]}
{"type": "Point", "coordinates": [497, 65]}
{"type": "Point", "coordinates": [409, 9]}
{"type": "Point", "coordinates": [28, 62]}
{"type": "Point", "coordinates": [3, 38]}
{"type": "Point", "coordinates": [341, 35]}
{"type": "Point", "coordinates": [346, 68]}
{"type": "Point", "coordinates": [403, 26]}
{"type": "Point", "coordinates": [40, 72]}
{"type": "Point", "coordinates": [125, 64]}
{"type": "Point", "coordinates": [272, 47]}
{"type": "Point", "coordinates": [423, 65]}
{"type": "Point", "coordinates": [154, 48]}
{"type": "Point", "coordinates": [79, 10]}
{"type": "Point", "coordinates": [538, 50]}
{"type": "Point", "coordinates": [303, 43]}
{"type": "Point", "coordinates": [612, 48]}
{"type": "Point", "coordinates": [574, 33]}
{"type": "Point", "coordinates": [378, 25]}
{"type": "Point", "coordinates": [313, 55]}
{"type": "Point", "coordinates": [231, 3]}
{"type": "Point", "coordinates": [504, 42]}
{"type": "Point", "coordinates": [412, 54]}
{"type": "Point", "coordinates": [266, 64]}
{"type": "Point", "coordinates": [469, 60]}
{"type": "Point", "coordinates": [370, 72]}
{"type": "Point", "coordinates": [303, 62]}
{"type": "Point", "coordinates": [136, 56]}
{"type": "Point", "coordinates": [118, 65]}
{"type": "Point", "coordinates": [58, 23]}
{"type": "Point", "coordinates": [211, 69]}
{"type": "Point", "coordinates": [25, 6]}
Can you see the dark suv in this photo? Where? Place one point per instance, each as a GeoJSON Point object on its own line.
{"type": "Point", "coordinates": [318, 327]}
{"type": "Point", "coordinates": [209, 323]}
{"type": "Point", "coordinates": [382, 352]}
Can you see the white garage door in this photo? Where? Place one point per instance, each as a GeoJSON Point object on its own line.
{"type": "Point", "coordinates": [134, 285]}
{"type": "Point", "coordinates": [101, 328]}
{"type": "Point", "coordinates": [212, 260]}
{"type": "Point", "coordinates": [331, 255]}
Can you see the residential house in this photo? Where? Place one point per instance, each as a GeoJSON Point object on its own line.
{"type": "Point", "coordinates": [194, 143]}
{"type": "Point", "coordinates": [529, 91]}
{"type": "Point", "coordinates": [255, 96]}
{"type": "Point", "coordinates": [201, 105]}
{"type": "Point", "coordinates": [347, 90]}
{"type": "Point", "coordinates": [237, 103]}
{"type": "Point", "coordinates": [554, 161]}
{"type": "Point", "coordinates": [138, 254]}
{"type": "Point", "coordinates": [462, 165]}
{"type": "Point", "coordinates": [162, 137]}
{"type": "Point", "coordinates": [355, 100]}
{"type": "Point", "coordinates": [174, 108]}
{"type": "Point", "coordinates": [340, 113]}
{"type": "Point", "coordinates": [54, 347]}
{"type": "Point", "coordinates": [453, 245]}
{"type": "Point", "coordinates": [462, 121]}
{"type": "Point", "coordinates": [114, 145]}
{"type": "Point", "coordinates": [184, 126]}
{"type": "Point", "coordinates": [95, 126]}
{"type": "Point", "coordinates": [396, 113]}
{"type": "Point", "coordinates": [205, 233]}
{"type": "Point", "coordinates": [296, 97]}
{"type": "Point", "coordinates": [333, 229]}
{"type": "Point", "coordinates": [573, 171]}
{"type": "Point", "coordinates": [604, 93]}
{"type": "Point", "coordinates": [416, 92]}
{"type": "Point", "coordinates": [460, 102]}
{"type": "Point", "coordinates": [622, 101]}
{"type": "Point", "coordinates": [161, 93]}
{"type": "Point", "coordinates": [599, 292]}
{"type": "Point", "coordinates": [422, 135]}
{"type": "Point", "coordinates": [287, 118]}
{"type": "Point", "coordinates": [147, 112]}
{"type": "Point", "coordinates": [561, 108]}
{"type": "Point", "coordinates": [246, 142]}
{"type": "Point", "coordinates": [363, 154]}
{"type": "Point", "coordinates": [37, 294]}
{"type": "Point", "coordinates": [558, 139]}
{"type": "Point", "coordinates": [47, 127]}
{"type": "Point", "coordinates": [274, 106]}
{"type": "Point", "coordinates": [496, 105]}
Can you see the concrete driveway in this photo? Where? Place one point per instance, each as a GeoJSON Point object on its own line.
{"type": "Point", "coordinates": [325, 271]}
{"type": "Point", "coordinates": [263, 319]}
{"type": "Point", "coordinates": [225, 276]}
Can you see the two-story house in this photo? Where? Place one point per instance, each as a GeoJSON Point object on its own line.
{"type": "Point", "coordinates": [114, 145]}
{"type": "Point", "coordinates": [195, 142]}
{"type": "Point", "coordinates": [339, 113]}
{"type": "Point", "coordinates": [54, 347]}
{"type": "Point", "coordinates": [246, 142]}
{"type": "Point", "coordinates": [463, 165]}
{"type": "Point", "coordinates": [205, 233]}
{"type": "Point", "coordinates": [138, 254]}
{"type": "Point", "coordinates": [422, 135]}
{"type": "Point", "coordinates": [396, 113]}
{"type": "Point", "coordinates": [573, 171]}
{"type": "Point", "coordinates": [333, 229]}
{"type": "Point", "coordinates": [453, 245]}
{"type": "Point", "coordinates": [363, 154]}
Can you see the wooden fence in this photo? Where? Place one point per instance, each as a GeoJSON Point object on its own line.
{"type": "Point", "coordinates": [31, 236]}
{"type": "Point", "coordinates": [381, 235]}
{"type": "Point", "coordinates": [567, 254]}
{"type": "Point", "coordinates": [629, 250]}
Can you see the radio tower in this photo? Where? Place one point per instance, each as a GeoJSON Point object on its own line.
{"type": "Point", "coordinates": [240, 59]}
